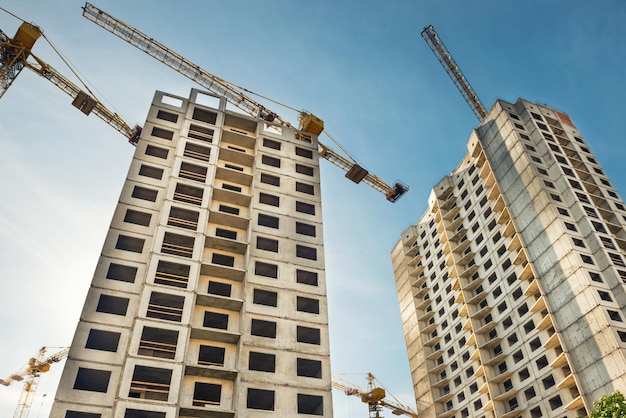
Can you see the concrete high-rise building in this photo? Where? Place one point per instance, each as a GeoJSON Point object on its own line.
{"type": "Point", "coordinates": [209, 298]}
{"type": "Point", "coordinates": [511, 284]}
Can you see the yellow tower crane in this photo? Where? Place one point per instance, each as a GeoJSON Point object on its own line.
{"type": "Point", "coordinates": [30, 375]}
{"type": "Point", "coordinates": [16, 54]}
{"type": "Point", "coordinates": [445, 58]}
{"type": "Point", "coordinates": [235, 95]}
{"type": "Point", "coordinates": [374, 396]}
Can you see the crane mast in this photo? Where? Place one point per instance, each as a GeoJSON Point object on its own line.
{"type": "Point", "coordinates": [233, 94]}
{"type": "Point", "coordinates": [30, 374]}
{"type": "Point", "coordinates": [14, 52]}
{"type": "Point", "coordinates": [454, 71]}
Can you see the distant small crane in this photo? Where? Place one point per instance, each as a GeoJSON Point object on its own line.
{"type": "Point", "coordinates": [374, 397]}
{"type": "Point", "coordinates": [30, 375]}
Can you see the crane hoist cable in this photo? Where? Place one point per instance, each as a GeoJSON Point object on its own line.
{"type": "Point", "coordinates": [309, 124]}
{"type": "Point", "coordinates": [66, 62]}
{"type": "Point", "coordinates": [16, 54]}
{"type": "Point", "coordinates": [60, 55]}
{"type": "Point", "coordinates": [12, 14]}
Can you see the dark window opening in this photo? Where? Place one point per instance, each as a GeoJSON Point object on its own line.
{"type": "Point", "coordinates": [304, 169]}
{"type": "Point", "coordinates": [266, 270]}
{"type": "Point", "coordinates": [162, 133]}
{"type": "Point", "coordinates": [307, 277]}
{"type": "Point", "coordinates": [215, 320]}
{"type": "Point", "coordinates": [267, 220]}
{"type": "Point", "coordinates": [555, 402]}
{"type": "Point", "coordinates": [137, 413]}
{"type": "Point", "coordinates": [204, 115]}
{"type": "Point", "coordinates": [305, 208]}
{"type": "Point", "coordinates": [262, 362]}
{"type": "Point", "coordinates": [306, 252]}
{"type": "Point", "coordinates": [267, 160]}
{"type": "Point", "coordinates": [233, 167]}
{"type": "Point", "coordinates": [103, 340]}
{"type": "Point", "coordinates": [268, 143]}
{"type": "Point", "coordinates": [309, 368]}
{"type": "Point", "coordinates": [263, 328]}
{"type": "Point", "coordinates": [78, 414]}
{"type": "Point", "coordinates": [206, 394]}
{"type": "Point", "coordinates": [310, 404]}
{"type": "Point", "coordinates": [306, 153]}
{"type": "Point", "coordinates": [223, 260]}
{"type": "Point", "coordinates": [132, 244]}
{"type": "Point", "coordinates": [264, 297]}
{"type": "Point", "coordinates": [92, 380]}
{"type": "Point", "coordinates": [121, 273]}
{"type": "Point", "coordinates": [260, 399]}
{"type": "Point", "coordinates": [305, 188]}
{"type": "Point", "coordinates": [157, 151]}
{"type": "Point", "coordinates": [143, 193]}
{"type": "Point", "coordinates": [267, 244]}
{"type": "Point", "coordinates": [269, 199]}
{"type": "Point", "coordinates": [308, 335]}
{"type": "Point", "coordinates": [112, 305]}
{"type": "Point", "coordinates": [219, 288]}
{"type": "Point", "coordinates": [152, 172]}
{"type": "Point", "coordinates": [228, 209]}
{"type": "Point", "coordinates": [231, 187]}
{"type": "Point", "coordinates": [305, 229]}
{"type": "Point", "coordinates": [137, 218]}
{"type": "Point", "coordinates": [170, 117]}
{"type": "Point", "coordinates": [308, 305]}
{"type": "Point", "coordinates": [211, 356]}
{"type": "Point", "coordinates": [268, 179]}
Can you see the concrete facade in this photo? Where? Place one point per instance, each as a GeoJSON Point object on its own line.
{"type": "Point", "coordinates": [511, 285]}
{"type": "Point", "coordinates": [209, 298]}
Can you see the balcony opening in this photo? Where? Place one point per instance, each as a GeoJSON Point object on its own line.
{"type": "Point", "coordinates": [158, 342]}
{"type": "Point", "coordinates": [150, 383]}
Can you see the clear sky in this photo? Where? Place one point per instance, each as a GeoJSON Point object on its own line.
{"type": "Point", "coordinates": [359, 65]}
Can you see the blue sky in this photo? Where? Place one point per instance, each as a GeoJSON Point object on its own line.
{"type": "Point", "coordinates": [361, 66]}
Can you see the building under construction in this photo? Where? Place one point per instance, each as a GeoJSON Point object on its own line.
{"type": "Point", "coordinates": [511, 284]}
{"type": "Point", "coordinates": [209, 296]}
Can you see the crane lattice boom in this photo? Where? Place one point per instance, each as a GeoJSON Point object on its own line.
{"type": "Point", "coordinates": [234, 95]}
{"type": "Point", "coordinates": [175, 61]}
{"type": "Point", "coordinates": [454, 71]}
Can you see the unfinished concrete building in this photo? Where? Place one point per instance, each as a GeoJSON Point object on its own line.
{"type": "Point", "coordinates": [209, 297]}
{"type": "Point", "coordinates": [511, 284]}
